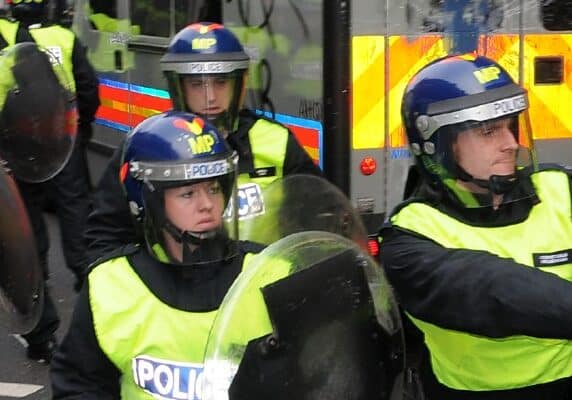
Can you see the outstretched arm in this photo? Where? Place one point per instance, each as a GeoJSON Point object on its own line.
{"type": "Point", "coordinates": [475, 291]}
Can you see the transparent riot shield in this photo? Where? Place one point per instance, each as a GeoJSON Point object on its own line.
{"type": "Point", "coordinates": [38, 115]}
{"type": "Point", "coordinates": [312, 317]}
{"type": "Point", "coordinates": [296, 203]}
{"type": "Point", "coordinates": [21, 280]}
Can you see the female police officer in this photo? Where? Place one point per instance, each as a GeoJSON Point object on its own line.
{"type": "Point", "coordinates": [206, 70]}
{"type": "Point", "coordinates": [142, 321]}
{"type": "Point", "coordinates": [480, 256]}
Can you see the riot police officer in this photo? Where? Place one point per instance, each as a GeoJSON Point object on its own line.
{"type": "Point", "coordinates": [173, 281]}
{"type": "Point", "coordinates": [479, 255]}
{"type": "Point", "coordinates": [37, 134]}
{"type": "Point", "coordinates": [206, 69]}
{"type": "Point", "coordinates": [70, 189]}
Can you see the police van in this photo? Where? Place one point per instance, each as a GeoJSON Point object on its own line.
{"type": "Point", "coordinates": [334, 71]}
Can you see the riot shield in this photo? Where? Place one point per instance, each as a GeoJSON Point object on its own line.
{"type": "Point", "coordinates": [296, 203]}
{"type": "Point", "coordinates": [38, 115]}
{"type": "Point", "coordinates": [312, 317]}
{"type": "Point", "coordinates": [21, 280]}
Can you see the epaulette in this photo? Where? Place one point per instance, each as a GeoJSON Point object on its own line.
{"type": "Point", "coordinates": [251, 247]}
{"type": "Point", "coordinates": [121, 251]}
{"type": "Point", "coordinates": [255, 115]}
{"type": "Point", "coordinates": [555, 167]}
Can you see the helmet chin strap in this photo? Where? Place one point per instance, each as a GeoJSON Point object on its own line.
{"type": "Point", "coordinates": [209, 243]}
{"type": "Point", "coordinates": [496, 184]}
{"type": "Point", "coordinates": [221, 121]}
{"type": "Point", "coordinates": [188, 237]}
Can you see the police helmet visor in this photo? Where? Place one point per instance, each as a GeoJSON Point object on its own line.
{"type": "Point", "coordinates": [215, 97]}
{"type": "Point", "coordinates": [213, 54]}
{"type": "Point", "coordinates": [189, 218]}
{"type": "Point", "coordinates": [172, 150]}
{"type": "Point", "coordinates": [480, 152]}
{"type": "Point", "coordinates": [21, 277]}
{"type": "Point", "coordinates": [287, 206]}
{"type": "Point", "coordinates": [38, 115]}
{"type": "Point", "coordinates": [322, 317]}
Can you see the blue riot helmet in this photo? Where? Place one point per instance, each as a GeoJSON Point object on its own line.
{"type": "Point", "coordinates": [206, 68]}
{"type": "Point", "coordinates": [179, 150]}
{"type": "Point", "coordinates": [467, 125]}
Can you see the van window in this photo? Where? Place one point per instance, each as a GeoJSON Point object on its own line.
{"type": "Point", "coordinates": [557, 15]}
{"type": "Point", "coordinates": [154, 17]}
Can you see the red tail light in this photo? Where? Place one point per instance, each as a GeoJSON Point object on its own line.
{"type": "Point", "coordinates": [373, 247]}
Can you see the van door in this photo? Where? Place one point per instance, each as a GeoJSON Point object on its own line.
{"type": "Point", "coordinates": [104, 28]}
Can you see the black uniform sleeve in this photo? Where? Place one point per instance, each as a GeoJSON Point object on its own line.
{"type": "Point", "coordinates": [87, 84]}
{"type": "Point", "coordinates": [109, 225]}
{"type": "Point", "coordinates": [297, 160]}
{"type": "Point", "coordinates": [475, 291]}
{"type": "Point", "coordinates": [80, 369]}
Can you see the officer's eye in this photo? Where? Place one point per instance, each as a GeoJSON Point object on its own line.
{"type": "Point", "coordinates": [219, 82]}
{"type": "Point", "coordinates": [196, 83]}
{"type": "Point", "coordinates": [215, 188]}
{"type": "Point", "coordinates": [497, 127]}
{"type": "Point", "coordinates": [188, 193]}
{"type": "Point", "coordinates": [487, 129]}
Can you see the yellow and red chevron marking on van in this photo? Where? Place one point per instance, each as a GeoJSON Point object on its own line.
{"type": "Point", "coordinates": [124, 105]}
{"type": "Point", "coordinates": [549, 103]}
{"type": "Point", "coordinates": [407, 56]}
{"type": "Point", "coordinates": [381, 72]}
{"type": "Point", "coordinates": [309, 138]}
{"type": "Point", "coordinates": [308, 132]}
{"type": "Point", "coordinates": [370, 77]}
{"type": "Point", "coordinates": [368, 87]}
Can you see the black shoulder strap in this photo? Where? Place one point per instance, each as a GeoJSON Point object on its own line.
{"type": "Point", "coordinates": [554, 167]}
{"type": "Point", "coordinates": [251, 247]}
{"type": "Point", "coordinates": [23, 35]}
{"type": "Point", "coordinates": [3, 42]}
{"type": "Point", "coordinates": [122, 251]}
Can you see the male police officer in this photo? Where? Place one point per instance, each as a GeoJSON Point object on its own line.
{"type": "Point", "coordinates": [480, 257]}
{"type": "Point", "coordinates": [37, 133]}
{"type": "Point", "coordinates": [206, 69]}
